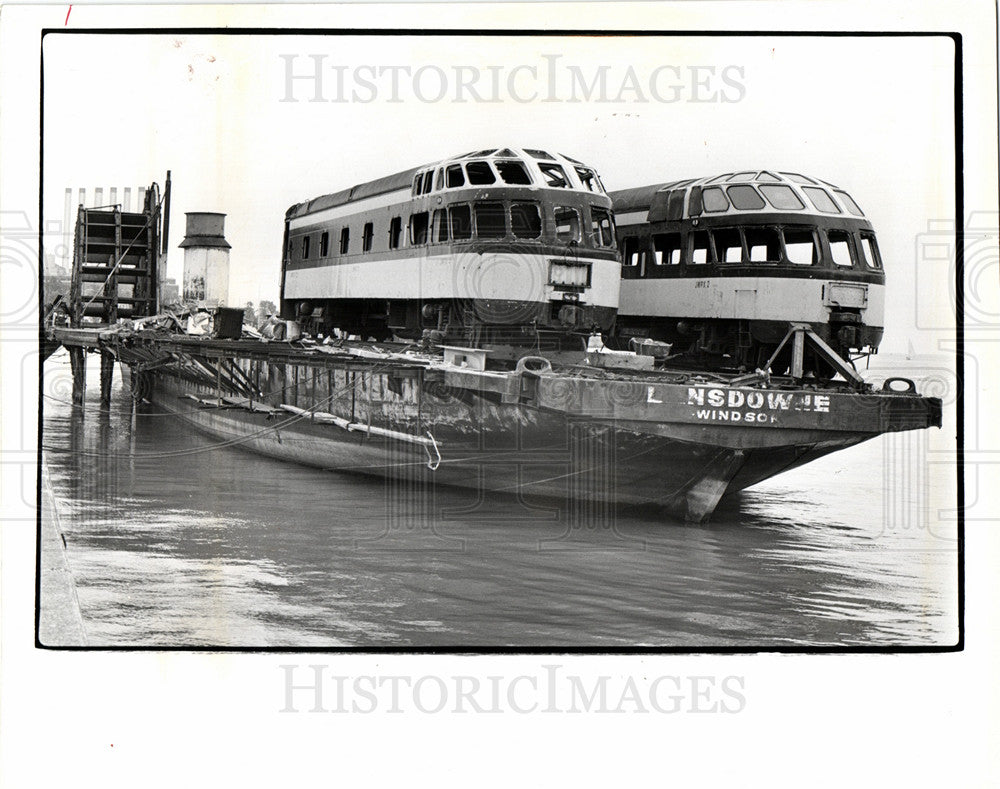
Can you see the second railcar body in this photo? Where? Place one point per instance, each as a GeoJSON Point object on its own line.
{"type": "Point", "coordinates": [495, 246]}
{"type": "Point", "coordinates": [722, 266]}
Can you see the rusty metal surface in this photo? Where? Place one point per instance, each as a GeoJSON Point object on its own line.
{"type": "Point", "coordinates": [678, 439]}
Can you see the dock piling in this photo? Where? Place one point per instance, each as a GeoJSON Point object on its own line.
{"type": "Point", "coordinates": [107, 373]}
{"type": "Point", "coordinates": [78, 365]}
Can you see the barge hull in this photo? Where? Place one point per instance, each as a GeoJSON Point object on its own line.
{"type": "Point", "coordinates": [534, 453]}
{"type": "Point", "coordinates": [676, 440]}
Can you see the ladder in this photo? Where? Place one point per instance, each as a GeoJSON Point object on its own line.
{"type": "Point", "coordinates": [115, 258]}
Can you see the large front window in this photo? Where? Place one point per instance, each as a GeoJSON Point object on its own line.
{"type": "Point", "coordinates": [567, 221]}
{"type": "Point", "coordinates": [525, 220]}
{"type": "Point", "coordinates": [840, 247]}
{"type": "Point", "coordinates": [589, 179]}
{"type": "Point", "coordinates": [800, 246]}
{"type": "Point", "coordinates": [554, 175]}
{"type": "Point", "coordinates": [461, 222]}
{"type": "Point", "coordinates": [869, 251]}
{"type": "Point", "coordinates": [601, 229]}
{"type": "Point", "coordinates": [480, 173]}
{"type": "Point", "coordinates": [455, 176]}
{"type": "Point", "coordinates": [490, 220]}
{"type": "Point", "coordinates": [512, 172]}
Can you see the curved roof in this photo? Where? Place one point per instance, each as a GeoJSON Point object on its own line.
{"type": "Point", "coordinates": [388, 183]}
{"type": "Point", "coordinates": [404, 179]}
{"type": "Point", "coordinates": [642, 198]}
{"type": "Point", "coordinates": [638, 198]}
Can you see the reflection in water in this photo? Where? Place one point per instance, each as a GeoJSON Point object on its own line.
{"type": "Point", "coordinates": [174, 542]}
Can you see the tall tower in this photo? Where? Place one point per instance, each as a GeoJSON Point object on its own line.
{"type": "Point", "coordinates": [206, 259]}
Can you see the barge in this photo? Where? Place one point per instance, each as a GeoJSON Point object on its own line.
{"type": "Point", "coordinates": [529, 417]}
{"type": "Point", "coordinates": [592, 432]}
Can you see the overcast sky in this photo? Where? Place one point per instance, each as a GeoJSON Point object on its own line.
{"type": "Point", "coordinates": [872, 115]}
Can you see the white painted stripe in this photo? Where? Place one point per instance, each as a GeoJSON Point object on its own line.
{"type": "Point", "coordinates": [350, 209]}
{"type": "Point", "coordinates": [754, 298]}
{"type": "Point", "coordinates": [517, 277]}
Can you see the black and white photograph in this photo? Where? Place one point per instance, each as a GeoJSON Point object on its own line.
{"type": "Point", "coordinates": [473, 344]}
{"type": "Point", "coordinates": [487, 341]}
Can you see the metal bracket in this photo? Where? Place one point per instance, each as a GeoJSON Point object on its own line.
{"type": "Point", "coordinates": [800, 334]}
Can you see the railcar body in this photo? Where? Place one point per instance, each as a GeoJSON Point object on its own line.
{"type": "Point", "coordinates": [721, 267]}
{"type": "Point", "coordinates": [496, 246]}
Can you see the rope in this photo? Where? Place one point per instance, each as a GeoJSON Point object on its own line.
{"type": "Point", "coordinates": [432, 464]}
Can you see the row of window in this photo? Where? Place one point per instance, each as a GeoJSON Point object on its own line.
{"type": "Point", "coordinates": [797, 245]}
{"type": "Point", "coordinates": [507, 171]}
{"type": "Point", "coordinates": [521, 220]}
{"type": "Point", "coordinates": [760, 175]}
{"type": "Point", "coordinates": [744, 197]}
{"type": "Point", "coordinates": [367, 237]}
{"type": "Point", "coordinates": [488, 220]}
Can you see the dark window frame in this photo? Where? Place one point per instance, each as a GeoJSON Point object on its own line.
{"type": "Point", "coordinates": [710, 256]}
{"type": "Point", "coordinates": [479, 165]}
{"type": "Point", "coordinates": [808, 190]}
{"type": "Point", "coordinates": [817, 253]}
{"type": "Point", "coordinates": [780, 188]}
{"type": "Point", "coordinates": [596, 232]}
{"type": "Point", "coordinates": [439, 222]}
{"type": "Point", "coordinates": [547, 170]}
{"type": "Point", "coordinates": [704, 204]}
{"type": "Point", "coordinates": [503, 165]}
{"type": "Point", "coordinates": [849, 240]}
{"type": "Point", "coordinates": [467, 231]}
{"type": "Point", "coordinates": [849, 203]}
{"type": "Point", "coordinates": [395, 231]}
{"type": "Point", "coordinates": [453, 169]}
{"type": "Point", "coordinates": [626, 252]}
{"type": "Point", "coordinates": [875, 265]}
{"type": "Point", "coordinates": [589, 179]}
{"type": "Point", "coordinates": [578, 237]}
{"type": "Point", "coordinates": [484, 205]}
{"type": "Point", "coordinates": [744, 190]}
{"type": "Point", "coordinates": [426, 228]}
{"type": "Point", "coordinates": [679, 248]}
{"type": "Point", "coordinates": [778, 236]}
{"type": "Point", "coordinates": [538, 212]}
{"type": "Point", "coordinates": [719, 257]}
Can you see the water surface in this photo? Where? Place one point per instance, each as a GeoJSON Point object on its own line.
{"type": "Point", "coordinates": [174, 541]}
